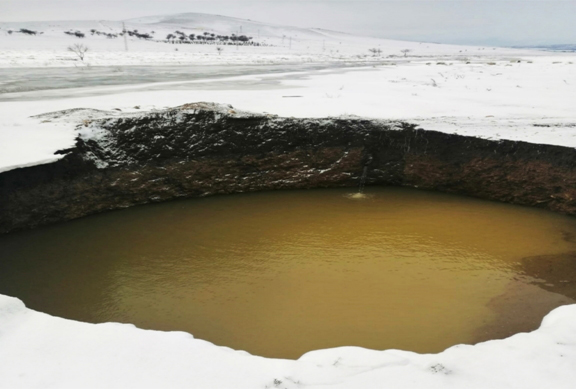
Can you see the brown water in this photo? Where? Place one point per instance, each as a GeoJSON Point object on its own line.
{"type": "Point", "coordinates": [282, 273]}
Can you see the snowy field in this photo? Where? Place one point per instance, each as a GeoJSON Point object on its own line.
{"type": "Point", "coordinates": [48, 47]}
{"type": "Point", "coordinates": [524, 98]}
{"type": "Point", "coordinates": [485, 92]}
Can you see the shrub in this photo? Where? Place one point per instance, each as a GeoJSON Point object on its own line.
{"type": "Point", "coordinates": [28, 32]}
{"type": "Point", "coordinates": [78, 49]}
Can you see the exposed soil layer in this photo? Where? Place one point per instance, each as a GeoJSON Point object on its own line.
{"type": "Point", "coordinates": [203, 149]}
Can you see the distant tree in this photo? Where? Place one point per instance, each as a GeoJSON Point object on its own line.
{"type": "Point", "coordinates": [405, 51]}
{"type": "Point", "coordinates": [77, 34]}
{"type": "Point", "coordinates": [78, 49]}
{"type": "Point", "coordinates": [138, 35]}
{"type": "Point", "coordinates": [28, 32]}
{"type": "Point", "coordinates": [219, 49]}
{"type": "Point", "coordinates": [375, 51]}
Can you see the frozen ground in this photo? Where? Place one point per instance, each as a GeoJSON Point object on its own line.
{"type": "Point", "coordinates": [484, 92]}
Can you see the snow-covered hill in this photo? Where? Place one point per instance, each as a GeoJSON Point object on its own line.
{"type": "Point", "coordinates": [199, 38]}
{"type": "Point", "coordinates": [224, 24]}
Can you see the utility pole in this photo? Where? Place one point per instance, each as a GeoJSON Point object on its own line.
{"type": "Point", "coordinates": [125, 39]}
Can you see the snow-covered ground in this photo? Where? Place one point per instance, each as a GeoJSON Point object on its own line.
{"type": "Point", "coordinates": [40, 351]}
{"type": "Point", "coordinates": [525, 98]}
{"type": "Point", "coordinates": [280, 44]}
{"type": "Point", "coordinates": [485, 92]}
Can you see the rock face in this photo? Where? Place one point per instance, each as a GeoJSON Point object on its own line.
{"type": "Point", "coordinates": [203, 149]}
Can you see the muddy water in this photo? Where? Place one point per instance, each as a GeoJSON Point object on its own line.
{"type": "Point", "coordinates": [282, 273]}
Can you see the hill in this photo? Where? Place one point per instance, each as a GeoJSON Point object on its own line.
{"type": "Point", "coordinates": [208, 38]}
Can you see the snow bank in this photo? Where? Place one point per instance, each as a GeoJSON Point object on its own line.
{"type": "Point", "coordinates": [39, 350]}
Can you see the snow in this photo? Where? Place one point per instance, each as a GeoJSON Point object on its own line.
{"type": "Point", "coordinates": [530, 100]}
{"type": "Point", "coordinates": [282, 44]}
{"type": "Point", "coordinates": [493, 93]}
{"type": "Point", "coordinates": [38, 350]}
{"type": "Point", "coordinates": [26, 142]}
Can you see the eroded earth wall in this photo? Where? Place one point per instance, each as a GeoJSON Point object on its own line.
{"type": "Point", "coordinates": [205, 149]}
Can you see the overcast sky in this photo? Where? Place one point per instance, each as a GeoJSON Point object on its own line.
{"type": "Point", "coordinates": [503, 22]}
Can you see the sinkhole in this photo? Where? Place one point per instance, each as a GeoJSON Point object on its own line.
{"type": "Point", "coordinates": [281, 273]}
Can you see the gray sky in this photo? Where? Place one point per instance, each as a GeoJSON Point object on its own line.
{"type": "Point", "coordinates": [504, 22]}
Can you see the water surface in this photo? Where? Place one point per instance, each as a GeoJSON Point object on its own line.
{"type": "Point", "coordinates": [282, 273]}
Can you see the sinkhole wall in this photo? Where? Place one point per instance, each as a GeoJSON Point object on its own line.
{"type": "Point", "coordinates": [203, 149]}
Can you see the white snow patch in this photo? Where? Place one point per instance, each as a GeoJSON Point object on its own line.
{"type": "Point", "coordinates": [39, 350]}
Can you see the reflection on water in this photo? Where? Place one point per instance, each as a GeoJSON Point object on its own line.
{"type": "Point", "coordinates": [282, 273]}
